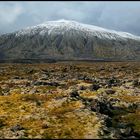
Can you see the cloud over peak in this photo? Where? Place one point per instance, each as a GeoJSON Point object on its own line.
{"type": "Point", "coordinates": [121, 16]}
{"type": "Point", "coordinates": [9, 12]}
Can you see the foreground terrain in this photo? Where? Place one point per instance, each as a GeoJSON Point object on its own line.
{"type": "Point", "coordinates": [70, 100]}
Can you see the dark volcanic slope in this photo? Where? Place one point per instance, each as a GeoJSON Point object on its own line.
{"type": "Point", "coordinates": [69, 40]}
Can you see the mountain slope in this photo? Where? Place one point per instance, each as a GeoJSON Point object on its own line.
{"type": "Point", "coordinates": [64, 39]}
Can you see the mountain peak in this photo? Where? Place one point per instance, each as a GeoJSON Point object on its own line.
{"type": "Point", "coordinates": [60, 22]}
{"type": "Point", "coordinates": [63, 25]}
{"type": "Point", "coordinates": [64, 20]}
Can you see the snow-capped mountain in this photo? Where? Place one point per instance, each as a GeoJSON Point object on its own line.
{"type": "Point", "coordinates": [65, 39]}
{"type": "Point", "coordinates": [62, 26]}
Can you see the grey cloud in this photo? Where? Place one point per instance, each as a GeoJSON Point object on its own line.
{"type": "Point", "coordinates": [121, 16]}
{"type": "Point", "coordinates": [9, 13]}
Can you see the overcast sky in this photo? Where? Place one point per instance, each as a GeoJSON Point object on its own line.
{"type": "Point", "coordinates": [121, 16]}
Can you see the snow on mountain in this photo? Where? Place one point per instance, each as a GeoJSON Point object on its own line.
{"type": "Point", "coordinates": [69, 40]}
{"type": "Point", "coordinates": [61, 26]}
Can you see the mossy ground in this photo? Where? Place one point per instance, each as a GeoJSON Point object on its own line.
{"type": "Point", "coordinates": [48, 111]}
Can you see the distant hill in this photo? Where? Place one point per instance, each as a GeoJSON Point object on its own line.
{"type": "Point", "coordinates": [69, 40]}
